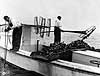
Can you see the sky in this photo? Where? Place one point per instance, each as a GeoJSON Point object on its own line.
{"type": "Point", "coordinates": [76, 14]}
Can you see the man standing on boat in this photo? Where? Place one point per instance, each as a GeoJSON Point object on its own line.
{"type": "Point", "coordinates": [16, 35]}
{"type": "Point", "coordinates": [57, 30]}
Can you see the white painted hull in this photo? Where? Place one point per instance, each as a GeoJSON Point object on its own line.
{"type": "Point", "coordinates": [54, 68]}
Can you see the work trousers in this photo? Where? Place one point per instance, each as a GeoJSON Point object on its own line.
{"type": "Point", "coordinates": [16, 38]}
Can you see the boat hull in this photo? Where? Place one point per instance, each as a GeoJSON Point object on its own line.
{"type": "Point", "coordinates": [54, 68]}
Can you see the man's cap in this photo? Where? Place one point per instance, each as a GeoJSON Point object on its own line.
{"type": "Point", "coordinates": [5, 17]}
{"type": "Point", "coordinates": [59, 17]}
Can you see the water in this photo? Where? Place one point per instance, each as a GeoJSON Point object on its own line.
{"type": "Point", "coordinates": [93, 40]}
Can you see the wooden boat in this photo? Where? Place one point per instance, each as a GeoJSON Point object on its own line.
{"type": "Point", "coordinates": [22, 58]}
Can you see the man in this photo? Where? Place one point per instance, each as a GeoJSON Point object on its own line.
{"type": "Point", "coordinates": [57, 30]}
{"type": "Point", "coordinates": [16, 35]}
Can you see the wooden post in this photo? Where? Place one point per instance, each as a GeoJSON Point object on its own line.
{"type": "Point", "coordinates": [37, 45]}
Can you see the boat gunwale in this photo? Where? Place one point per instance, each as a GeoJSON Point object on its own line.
{"type": "Point", "coordinates": [86, 55]}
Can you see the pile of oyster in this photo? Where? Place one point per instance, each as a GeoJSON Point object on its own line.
{"type": "Point", "coordinates": [60, 50]}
